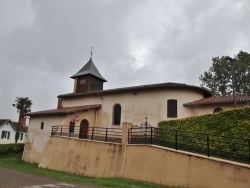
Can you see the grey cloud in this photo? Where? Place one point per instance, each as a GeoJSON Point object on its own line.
{"type": "Point", "coordinates": [43, 43]}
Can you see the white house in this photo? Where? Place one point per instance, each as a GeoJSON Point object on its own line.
{"type": "Point", "coordinates": [96, 107]}
{"type": "Point", "coordinates": [8, 131]}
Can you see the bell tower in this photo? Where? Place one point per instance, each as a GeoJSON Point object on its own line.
{"type": "Point", "coordinates": [88, 78]}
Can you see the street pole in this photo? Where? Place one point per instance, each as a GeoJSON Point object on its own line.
{"type": "Point", "coordinates": [18, 130]}
{"type": "Point", "coordinates": [233, 82]}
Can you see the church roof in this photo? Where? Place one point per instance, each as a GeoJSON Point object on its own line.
{"type": "Point", "coordinates": [167, 85]}
{"type": "Point", "coordinates": [63, 111]}
{"type": "Point", "coordinates": [219, 100]}
{"type": "Point", "coordinates": [89, 68]}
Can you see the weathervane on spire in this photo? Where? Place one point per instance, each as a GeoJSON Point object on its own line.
{"type": "Point", "coordinates": [91, 53]}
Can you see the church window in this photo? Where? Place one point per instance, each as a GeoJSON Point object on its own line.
{"type": "Point", "coordinates": [117, 114]}
{"type": "Point", "coordinates": [82, 81]}
{"type": "Point", "coordinates": [172, 108]}
{"type": "Point", "coordinates": [42, 125]}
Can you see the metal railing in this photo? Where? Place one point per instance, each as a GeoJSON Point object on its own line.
{"type": "Point", "coordinates": [231, 148]}
{"type": "Point", "coordinates": [90, 133]}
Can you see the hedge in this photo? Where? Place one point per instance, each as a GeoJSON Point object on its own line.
{"type": "Point", "coordinates": [234, 123]}
{"type": "Point", "coordinates": [6, 148]}
{"type": "Point", "coordinates": [228, 133]}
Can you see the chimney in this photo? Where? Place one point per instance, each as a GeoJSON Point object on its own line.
{"type": "Point", "coordinates": [22, 120]}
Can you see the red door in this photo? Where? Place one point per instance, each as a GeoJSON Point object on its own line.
{"type": "Point", "coordinates": [84, 127]}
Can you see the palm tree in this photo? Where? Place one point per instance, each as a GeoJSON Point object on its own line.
{"type": "Point", "coordinates": [23, 105]}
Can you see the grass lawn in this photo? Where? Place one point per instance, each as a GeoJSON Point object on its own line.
{"type": "Point", "coordinates": [14, 161]}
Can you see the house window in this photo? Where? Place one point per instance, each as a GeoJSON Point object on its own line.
{"type": "Point", "coordinates": [42, 125]}
{"type": "Point", "coordinates": [216, 110]}
{"type": "Point", "coordinates": [5, 134]}
{"type": "Point", "coordinates": [172, 108]}
{"type": "Point", "coordinates": [21, 136]}
{"type": "Point", "coordinates": [117, 114]}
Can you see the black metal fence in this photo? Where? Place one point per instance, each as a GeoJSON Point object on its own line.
{"type": "Point", "coordinates": [90, 133]}
{"type": "Point", "coordinates": [231, 148]}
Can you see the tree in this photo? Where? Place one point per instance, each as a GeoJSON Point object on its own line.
{"type": "Point", "coordinates": [23, 105]}
{"type": "Point", "coordinates": [219, 77]}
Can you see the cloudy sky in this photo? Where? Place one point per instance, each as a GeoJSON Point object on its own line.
{"type": "Point", "coordinates": [135, 42]}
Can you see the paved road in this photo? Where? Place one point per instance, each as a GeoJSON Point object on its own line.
{"type": "Point", "coordinates": [17, 179]}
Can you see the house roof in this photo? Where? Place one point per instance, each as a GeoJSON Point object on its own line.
{"type": "Point", "coordinates": [62, 111]}
{"type": "Point", "coordinates": [22, 128]}
{"type": "Point", "coordinates": [3, 121]}
{"type": "Point", "coordinates": [218, 100]}
{"type": "Point", "coordinates": [89, 68]}
{"type": "Point", "coordinates": [166, 85]}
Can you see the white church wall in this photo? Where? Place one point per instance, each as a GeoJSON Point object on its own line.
{"type": "Point", "coordinates": [38, 135]}
{"type": "Point", "coordinates": [136, 106]}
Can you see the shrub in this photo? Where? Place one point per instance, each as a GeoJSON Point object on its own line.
{"type": "Point", "coordinates": [6, 148]}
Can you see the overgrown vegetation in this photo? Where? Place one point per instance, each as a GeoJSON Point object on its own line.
{"type": "Point", "coordinates": [225, 134]}
{"type": "Point", "coordinates": [6, 148]}
{"type": "Point", "coordinates": [234, 123]}
{"type": "Point", "coordinates": [14, 161]}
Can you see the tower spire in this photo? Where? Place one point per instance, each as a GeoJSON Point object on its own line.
{"type": "Point", "coordinates": [88, 78]}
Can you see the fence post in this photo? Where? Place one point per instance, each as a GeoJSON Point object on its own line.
{"type": "Point", "coordinates": [126, 133]}
{"type": "Point", "coordinates": [92, 135]}
{"type": "Point", "coordinates": [176, 140]}
{"type": "Point", "coordinates": [208, 147]}
{"type": "Point", "coordinates": [106, 138]}
{"type": "Point", "coordinates": [52, 131]}
{"type": "Point", "coordinates": [151, 138]}
{"type": "Point", "coordinates": [61, 131]}
{"type": "Point", "coordinates": [249, 150]}
{"type": "Point", "coordinates": [130, 135]}
{"type": "Point", "coordinates": [126, 128]}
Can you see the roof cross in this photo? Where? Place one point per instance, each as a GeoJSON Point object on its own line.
{"type": "Point", "coordinates": [146, 122]}
{"type": "Point", "coordinates": [91, 53]}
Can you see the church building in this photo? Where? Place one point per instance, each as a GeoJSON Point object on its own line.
{"type": "Point", "coordinates": [94, 106]}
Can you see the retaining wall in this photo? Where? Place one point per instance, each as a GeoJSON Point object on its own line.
{"type": "Point", "coordinates": [89, 158]}
{"type": "Point", "coordinates": [142, 162]}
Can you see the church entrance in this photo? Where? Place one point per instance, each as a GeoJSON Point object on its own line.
{"type": "Point", "coordinates": [84, 127]}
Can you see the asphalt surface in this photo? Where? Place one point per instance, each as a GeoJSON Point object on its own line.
{"type": "Point", "coordinates": [16, 179]}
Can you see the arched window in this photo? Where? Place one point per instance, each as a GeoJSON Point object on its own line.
{"type": "Point", "coordinates": [216, 110]}
{"type": "Point", "coordinates": [117, 114]}
{"type": "Point", "coordinates": [172, 108]}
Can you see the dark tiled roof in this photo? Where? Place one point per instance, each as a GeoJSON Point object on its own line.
{"type": "Point", "coordinates": [218, 100]}
{"type": "Point", "coordinates": [166, 85]}
{"type": "Point", "coordinates": [89, 68]}
{"type": "Point", "coordinates": [22, 128]}
{"type": "Point", "coordinates": [2, 121]}
{"type": "Point", "coordinates": [67, 110]}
